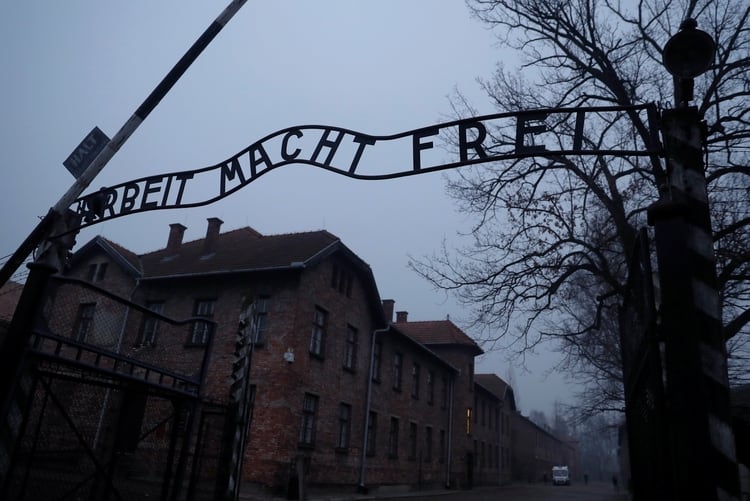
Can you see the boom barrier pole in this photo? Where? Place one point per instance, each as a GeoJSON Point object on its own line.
{"type": "Point", "coordinates": [41, 231]}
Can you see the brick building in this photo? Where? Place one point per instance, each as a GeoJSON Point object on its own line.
{"type": "Point", "coordinates": [339, 390]}
{"type": "Point", "coordinates": [536, 450]}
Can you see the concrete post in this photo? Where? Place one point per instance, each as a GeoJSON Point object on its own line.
{"type": "Point", "coordinates": [697, 389]}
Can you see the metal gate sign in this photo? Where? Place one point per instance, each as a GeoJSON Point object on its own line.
{"type": "Point", "coordinates": [86, 152]}
{"type": "Point", "coordinates": [538, 133]}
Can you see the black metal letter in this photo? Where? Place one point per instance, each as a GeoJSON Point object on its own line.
{"type": "Point", "coordinates": [324, 141]}
{"type": "Point", "coordinates": [464, 144]}
{"type": "Point", "coordinates": [129, 194]}
{"type": "Point", "coordinates": [285, 145]}
{"type": "Point", "coordinates": [363, 142]}
{"type": "Point", "coordinates": [230, 172]}
{"type": "Point", "coordinates": [183, 178]}
{"type": "Point", "coordinates": [522, 129]}
{"type": "Point", "coordinates": [418, 145]}
{"type": "Point", "coordinates": [152, 186]}
{"type": "Point", "coordinates": [261, 158]}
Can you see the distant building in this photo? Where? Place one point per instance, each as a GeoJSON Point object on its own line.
{"type": "Point", "coordinates": [536, 451]}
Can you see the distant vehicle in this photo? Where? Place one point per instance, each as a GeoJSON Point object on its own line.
{"type": "Point", "coordinates": [560, 475]}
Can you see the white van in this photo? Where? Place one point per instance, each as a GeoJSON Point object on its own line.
{"type": "Point", "coordinates": [560, 475]}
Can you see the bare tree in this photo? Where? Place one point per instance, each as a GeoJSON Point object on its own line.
{"type": "Point", "coordinates": [549, 250]}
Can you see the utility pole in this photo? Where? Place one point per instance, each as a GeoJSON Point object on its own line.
{"type": "Point", "coordinates": [701, 440]}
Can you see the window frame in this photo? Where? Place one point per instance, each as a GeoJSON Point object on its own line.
{"type": "Point", "coordinates": [84, 323]}
{"type": "Point", "coordinates": [398, 370]}
{"type": "Point", "coordinates": [416, 370]}
{"type": "Point", "coordinates": [430, 387]}
{"type": "Point", "coordinates": [413, 439]}
{"type": "Point", "coordinates": [261, 319]}
{"type": "Point", "coordinates": [97, 271]}
{"type": "Point", "coordinates": [428, 443]}
{"type": "Point", "coordinates": [372, 434]}
{"type": "Point", "coordinates": [308, 423]}
{"type": "Point", "coordinates": [343, 438]}
{"type": "Point", "coordinates": [318, 333]}
{"type": "Point", "coordinates": [377, 357]}
{"type": "Point", "coordinates": [350, 348]}
{"type": "Point", "coordinates": [150, 325]}
{"type": "Point", "coordinates": [200, 332]}
{"type": "Point", "coordinates": [393, 429]}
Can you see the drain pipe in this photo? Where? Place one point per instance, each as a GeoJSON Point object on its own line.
{"type": "Point", "coordinates": [362, 465]}
{"type": "Point", "coordinates": [449, 454]}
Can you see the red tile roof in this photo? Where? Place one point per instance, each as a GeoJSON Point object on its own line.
{"type": "Point", "coordinates": [438, 332]}
{"type": "Point", "coordinates": [492, 383]}
{"type": "Point", "coordinates": [238, 250]}
{"type": "Point", "coordinates": [495, 385]}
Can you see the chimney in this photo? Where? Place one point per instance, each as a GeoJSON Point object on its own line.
{"type": "Point", "coordinates": [388, 309]}
{"type": "Point", "coordinates": [176, 231]}
{"type": "Point", "coordinates": [401, 317]}
{"type": "Point", "coordinates": [212, 233]}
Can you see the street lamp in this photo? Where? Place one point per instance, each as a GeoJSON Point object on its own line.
{"type": "Point", "coordinates": [686, 55]}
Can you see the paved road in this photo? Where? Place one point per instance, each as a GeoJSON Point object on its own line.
{"type": "Point", "coordinates": [515, 492]}
{"type": "Point", "coordinates": [526, 492]}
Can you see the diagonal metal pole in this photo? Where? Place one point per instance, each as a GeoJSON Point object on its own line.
{"type": "Point", "coordinates": [42, 230]}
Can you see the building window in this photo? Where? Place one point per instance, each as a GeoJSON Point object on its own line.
{"type": "Point", "coordinates": [150, 327]}
{"type": "Point", "coordinates": [376, 357]}
{"type": "Point", "coordinates": [484, 413]}
{"type": "Point", "coordinates": [476, 406]}
{"type": "Point", "coordinates": [442, 450]}
{"type": "Point", "coordinates": [309, 413]}
{"type": "Point", "coordinates": [341, 281]}
{"type": "Point", "coordinates": [430, 387]}
{"type": "Point", "coordinates": [345, 423]}
{"type": "Point", "coordinates": [468, 420]}
{"type": "Point", "coordinates": [262, 304]}
{"type": "Point", "coordinates": [97, 272]}
{"type": "Point", "coordinates": [415, 374]}
{"type": "Point", "coordinates": [372, 429]}
{"type": "Point", "coordinates": [412, 441]}
{"type": "Point", "coordinates": [398, 369]}
{"type": "Point", "coordinates": [428, 443]}
{"type": "Point", "coordinates": [497, 419]}
{"type": "Point", "coordinates": [84, 321]}
{"type": "Point", "coordinates": [481, 455]}
{"type": "Point", "coordinates": [335, 277]}
{"type": "Point", "coordinates": [471, 376]}
{"type": "Point", "coordinates": [317, 338]}
{"type": "Point", "coordinates": [444, 393]}
{"type": "Point", "coordinates": [201, 331]}
{"type": "Point", "coordinates": [350, 349]}
{"type": "Point", "coordinates": [393, 438]}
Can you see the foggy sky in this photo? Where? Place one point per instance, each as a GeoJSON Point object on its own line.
{"type": "Point", "coordinates": [378, 67]}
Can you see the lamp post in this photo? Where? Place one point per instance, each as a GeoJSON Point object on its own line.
{"type": "Point", "coordinates": [701, 440]}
